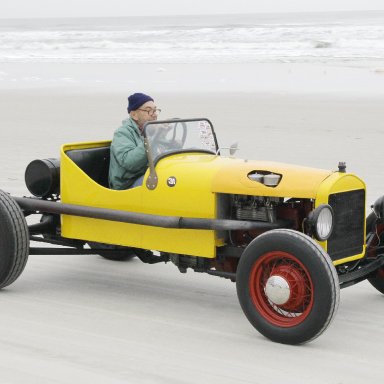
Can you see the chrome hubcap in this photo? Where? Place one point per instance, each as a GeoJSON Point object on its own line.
{"type": "Point", "coordinates": [277, 290]}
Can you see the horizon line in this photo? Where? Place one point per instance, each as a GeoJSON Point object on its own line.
{"type": "Point", "coordinates": [191, 14]}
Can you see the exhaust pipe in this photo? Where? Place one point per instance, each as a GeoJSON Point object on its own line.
{"type": "Point", "coordinates": [33, 204]}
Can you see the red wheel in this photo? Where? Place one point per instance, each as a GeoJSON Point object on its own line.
{"type": "Point", "coordinates": [281, 289]}
{"type": "Point", "coordinates": [287, 286]}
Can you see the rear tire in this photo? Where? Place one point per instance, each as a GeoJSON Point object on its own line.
{"type": "Point", "coordinates": [14, 240]}
{"type": "Point", "coordinates": [287, 286]}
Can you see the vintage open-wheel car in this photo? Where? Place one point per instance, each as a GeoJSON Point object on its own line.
{"type": "Point", "coordinates": [289, 236]}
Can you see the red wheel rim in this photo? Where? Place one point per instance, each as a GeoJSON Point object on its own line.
{"type": "Point", "coordinates": [299, 304]}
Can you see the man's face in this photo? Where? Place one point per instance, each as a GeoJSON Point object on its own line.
{"type": "Point", "coordinates": [147, 112]}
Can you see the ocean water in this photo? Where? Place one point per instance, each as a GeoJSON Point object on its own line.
{"type": "Point", "coordinates": [351, 37]}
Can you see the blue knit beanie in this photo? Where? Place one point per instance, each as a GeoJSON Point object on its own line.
{"type": "Point", "coordinates": [136, 100]}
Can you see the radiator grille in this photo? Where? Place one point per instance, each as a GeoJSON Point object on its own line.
{"type": "Point", "coordinates": [347, 238]}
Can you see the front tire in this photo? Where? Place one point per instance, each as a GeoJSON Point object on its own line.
{"type": "Point", "coordinates": [14, 240]}
{"type": "Point", "coordinates": [377, 279]}
{"type": "Point", "coordinates": [287, 286]}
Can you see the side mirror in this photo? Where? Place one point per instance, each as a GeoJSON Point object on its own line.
{"type": "Point", "coordinates": [233, 148]}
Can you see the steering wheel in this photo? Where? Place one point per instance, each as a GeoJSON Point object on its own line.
{"type": "Point", "coordinates": [160, 138]}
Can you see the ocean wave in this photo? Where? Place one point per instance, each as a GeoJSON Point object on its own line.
{"type": "Point", "coordinates": [230, 42]}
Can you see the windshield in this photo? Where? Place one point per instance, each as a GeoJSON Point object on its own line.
{"type": "Point", "coordinates": [170, 136]}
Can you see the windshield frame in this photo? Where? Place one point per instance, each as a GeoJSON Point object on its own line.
{"type": "Point", "coordinates": [152, 179]}
{"type": "Point", "coordinates": [186, 150]}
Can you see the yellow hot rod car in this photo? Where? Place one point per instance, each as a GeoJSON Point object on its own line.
{"type": "Point", "coordinates": [289, 236]}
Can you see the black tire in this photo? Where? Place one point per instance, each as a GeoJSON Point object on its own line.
{"type": "Point", "coordinates": [370, 222]}
{"type": "Point", "coordinates": [305, 275]}
{"type": "Point", "coordinates": [106, 251]}
{"type": "Point", "coordinates": [14, 240]}
{"type": "Point", "coordinates": [377, 280]}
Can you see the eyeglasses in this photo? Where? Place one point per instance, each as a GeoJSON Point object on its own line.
{"type": "Point", "coordinates": [151, 111]}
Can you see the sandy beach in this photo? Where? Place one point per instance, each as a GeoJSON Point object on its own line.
{"type": "Point", "coordinates": [82, 319]}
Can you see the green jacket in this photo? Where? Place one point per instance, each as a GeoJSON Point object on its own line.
{"type": "Point", "coordinates": [128, 157]}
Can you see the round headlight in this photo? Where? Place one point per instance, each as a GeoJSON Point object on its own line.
{"type": "Point", "coordinates": [321, 221]}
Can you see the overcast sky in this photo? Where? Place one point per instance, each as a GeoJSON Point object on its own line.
{"type": "Point", "coordinates": [79, 8]}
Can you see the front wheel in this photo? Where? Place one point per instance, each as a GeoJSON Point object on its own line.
{"type": "Point", "coordinates": [377, 280]}
{"type": "Point", "coordinates": [287, 286]}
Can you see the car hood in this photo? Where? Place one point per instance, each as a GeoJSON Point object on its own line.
{"type": "Point", "coordinates": [296, 181]}
{"type": "Point", "coordinates": [230, 175]}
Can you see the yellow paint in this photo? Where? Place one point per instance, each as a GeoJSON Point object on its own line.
{"type": "Point", "coordinates": [190, 197]}
{"type": "Point", "coordinates": [297, 181]}
{"type": "Point", "coordinates": [199, 178]}
{"type": "Point", "coordinates": [337, 183]}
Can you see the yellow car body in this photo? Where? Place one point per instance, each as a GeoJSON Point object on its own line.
{"type": "Point", "coordinates": [201, 180]}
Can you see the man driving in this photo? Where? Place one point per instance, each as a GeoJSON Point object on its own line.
{"type": "Point", "coordinates": [128, 157]}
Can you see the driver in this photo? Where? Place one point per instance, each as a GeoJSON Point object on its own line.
{"type": "Point", "coordinates": [128, 158]}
